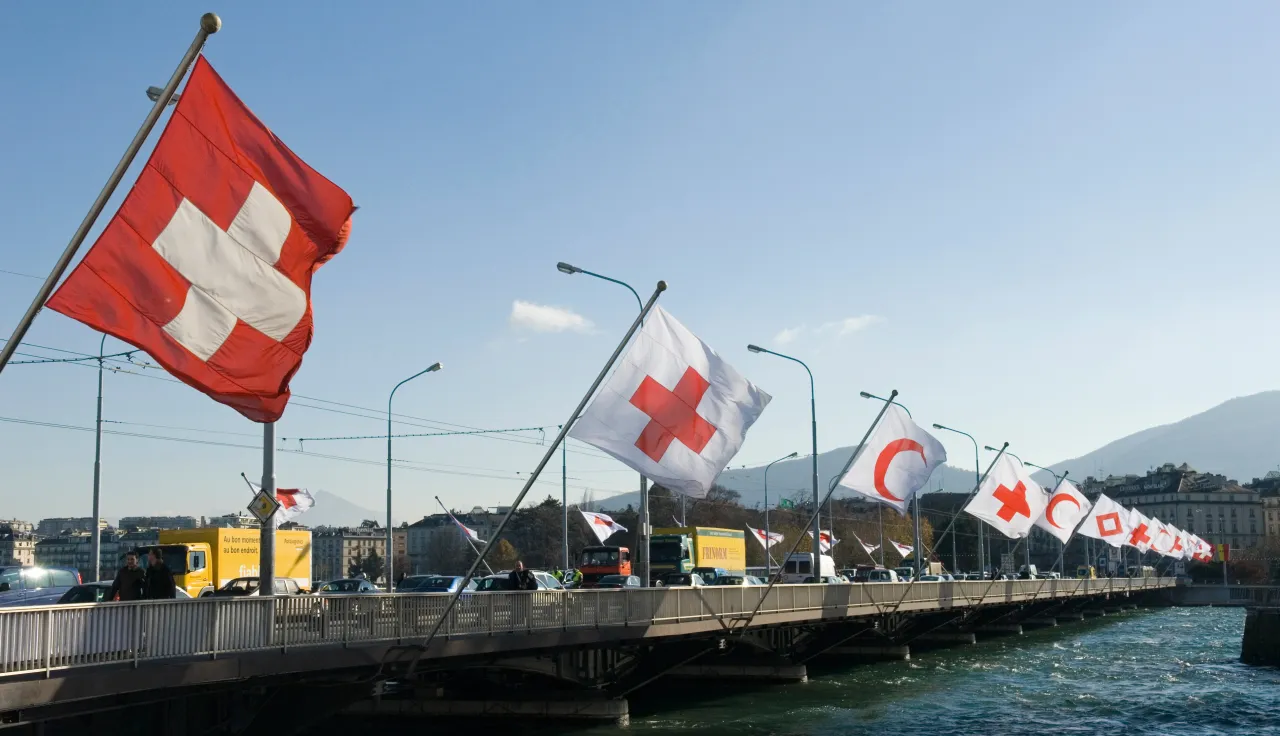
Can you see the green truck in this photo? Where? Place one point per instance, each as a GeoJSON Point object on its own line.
{"type": "Point", "coordinates": [681, 549]}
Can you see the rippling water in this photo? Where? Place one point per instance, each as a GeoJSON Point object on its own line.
{"type": "Point", "coordinates": [1166, 671]}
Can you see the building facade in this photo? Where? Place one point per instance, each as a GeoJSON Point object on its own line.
{"type": "Point", "coordinates": [74, 550]}
{"type": "Point", "coordinates": [435, 545]}
{"type": "Point", "coordinates": [235, 520]}
{"type": "Point", "coordinates": [68, 524]}
{"type": "Point", "coordinates": [159, 522]}
{"type": "Point", "coordinates": [17, 548]}
{"type": "Point", "coordinates": [334, 550]}
{"type": "Point", "coordinates": [17, 526]}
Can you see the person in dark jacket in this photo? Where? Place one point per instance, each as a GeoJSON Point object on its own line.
{"type": "Point", "coordinates": [159, 584]}
{"type": "Point", "coordinates": [522, 579]}
{"type": "Point", "coordinates": [130, 580]}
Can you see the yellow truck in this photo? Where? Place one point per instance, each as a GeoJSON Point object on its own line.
{"type": "Point", "coordinates": [686, 548]}
{"type": "Point", "coordinates": [203, 560]}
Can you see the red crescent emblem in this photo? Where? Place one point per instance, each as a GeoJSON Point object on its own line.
{"type": "Point", "coordinates": [887, 455]}
{"type": "Point", "coordinates": [1048, 514]}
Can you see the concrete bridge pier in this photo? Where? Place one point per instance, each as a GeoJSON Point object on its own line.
{"type": "Point", "coordinates": [1040, 622]}
{"type": "Point", "coordinates": [871, 652]}
{"type": "Point", "coordinates": [998, 629]}
{"type": "Point", "coordinates": [945, 638]}
{"type": "Point", "coordinates": [585, 706]}
{"type": "Point", "coordinates": [1069, 616]}
{"type": "Point", "coordinates": [1261, 642]}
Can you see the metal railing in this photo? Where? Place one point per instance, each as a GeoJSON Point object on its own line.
{"type": "Point", "coordinates": [49, 638]}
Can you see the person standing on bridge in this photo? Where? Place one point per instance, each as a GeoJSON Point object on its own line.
{"type": "Point", "coordinates": [130, 580]}
{"type": "Point", "coordinates": [159, 580]}
{"type": "Point", "coordinates": [522, 579]}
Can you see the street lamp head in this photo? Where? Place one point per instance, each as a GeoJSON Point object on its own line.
{"type": "Point", "coordinates": [563, 267]}
{"type": "Point", "coordinates": [938, 426]}
{"type": "Point", "coordinates": [794, 454]}
{"type": "Point", "coordinates": [989, 448]}
{"type": "Point", "coordinates": [755, 349]}
{"type": "Point", "coordinates": [864, 394]}
{"type": "Point", "coordinates": [153, 94]}
{"type": "Point", "coordinates": [435, 367]}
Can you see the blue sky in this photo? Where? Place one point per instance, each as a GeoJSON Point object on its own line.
{"type": "Point", "coordinates": [1052, 225]}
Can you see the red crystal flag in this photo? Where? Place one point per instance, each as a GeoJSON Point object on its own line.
{"type": "Point", "coordinates": [207, 265]}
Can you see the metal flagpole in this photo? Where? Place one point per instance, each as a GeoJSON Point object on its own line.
{"type": "Point", "coordinates": [919, 542]}
{"type": "Point", "coordinates": [470, 541]}
{"type": "Point", "coordinates": [209, 24]}
{"type": "Point", "coordinates": [564, 500]}
{"type": "Point", "coordinates": [95, 547]}
{"type": "Point", "coordinates": [880, 511]}
{"type": "Point", "coordinates": [533, 477]}
{"type": "Point", "coordinates": [1063, 550]}
{"type": "Point", "coordinates": [817, 540]}
{"type": "Point", "coordinates": [267, 547]}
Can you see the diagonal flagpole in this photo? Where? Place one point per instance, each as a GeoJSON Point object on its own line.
{"type": "Point", "coordinates": [977, 486]}
{"type": "Point", "coordinates": [209, 24]}
{"type": "Point", "coordinates": [470, 541]}
{"type": "Point", "coordinates": [863, 546]}
{"type": "Point", "coordinates": [816, 566]}
{"type": "Point", "coordinates": [533, 477]}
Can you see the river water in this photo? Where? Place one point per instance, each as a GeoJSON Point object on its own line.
{"type": "Point", "coordinates": [1162, 671]}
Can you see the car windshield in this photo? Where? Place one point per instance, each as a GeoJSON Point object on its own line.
{"type": "Point", "coordinates": [679, 580]}
{"type": "Point", "coordinates": [435, 581]}
{"type": "Point", "coordinates": [599, 557]}
{"type": "Point", "coordinates": [665, 551]}
{"type": "Point", "coordinates": [341, 586]}
{"type": "Point", "coordinates": [242, 585]}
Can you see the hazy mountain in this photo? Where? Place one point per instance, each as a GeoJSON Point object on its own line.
{"type": "Point", "coordinates": [1239, 438]}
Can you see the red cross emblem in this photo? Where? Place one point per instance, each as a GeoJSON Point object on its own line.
{"type": "Point", "coordinates": [1014, 501]}
{"type": "Point", "coordinates": [286, 497]}
{"type": "Point", "coordinates": [1177, 545]}
{"type": "Point", "coordinates": [1139, 536]}
{"type": "Point", "coordinates": [1109, 524]}
{"type": "Point", "coordinates": [673, 415]}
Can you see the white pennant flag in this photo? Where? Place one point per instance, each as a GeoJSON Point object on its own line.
{"type": "Point", "coordinates": [826, 541]}
{"type": "Point", "coordinates": [896, 462]}
{"type": "Point", "coordinates": [1066, 508]}
{"type": "Point", "coordinates": [467, 531]}
{"type": "Point", "coordinates": [766, 539]}
{"type": "Point", "coordinates": [1107, 521]}
{"type": "Point", "coordinates": [868, 547]}
{"type": "Point", "coordinates": [903, 549]}
{"type": "Point", "coordinates": [1009, 500]}
{"type": "Point", "coordinates": [602, 525]}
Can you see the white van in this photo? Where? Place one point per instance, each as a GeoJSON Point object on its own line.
{"type": "Point", "coordinates": [800, 566]}
{"type": "Point", "coordinates": [880, 575]}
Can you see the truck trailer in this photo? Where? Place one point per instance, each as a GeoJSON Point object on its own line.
{"type": "Point", "coordinates": [681, 549]}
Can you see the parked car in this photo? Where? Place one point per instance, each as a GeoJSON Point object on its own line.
{"type": "Point", "coordinates": [236, 587]}
{"type": "Point", "coordinates": [346, 586]}
{"type": "Point", "coordinates": [683, 580]}
{"type": "Point", "coordinates": [710, 574]}
{"type": "Point", "coordinates": [974, 576]}
{"type": "Point", "coordinates": [736, 580]}
{"type": "Point", "coordinates": [502, 581]}
{"type": "Point", "coordinates": [880, 575]}
{"type": "Point", "coordinates": [905, 574]}
{"type": "Point", "coordinates": [432, 584]}
{"type": "Point", "coordinates": [35, 586]}
{"type": "Point", "coordinates": [825, 580]}
{"type": "Point", "coordinates": [618, 581]}
{"type": "Point", "coordinates": [97, 593]}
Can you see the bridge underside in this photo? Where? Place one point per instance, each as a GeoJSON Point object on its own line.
{"type": "Point", "coordinates": [582, 673]}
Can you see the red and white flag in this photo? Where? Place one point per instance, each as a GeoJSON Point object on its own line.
{"type": "Point", "coordinates": [1107, 521]}
{"type": "Point", "coordinates": [766, 539]}
{"type": "Point", "coordinates": [1181, 543]}
{"type": "Point", "coordinates": [673, 410]}
{"type": "Point", "coordinates": [1204, 551]}
{"type": "Point", "coordinates": [1009, 500]}
{"type": "Point", "coordinates": [467, 531]}
{"type": "Point", "coordinates": [602, 525]}
{"type": "Point", "coordinates": [868, 547]}
{"type": "Point", "coordinates": [1140, 531]}
{"type": "Point", "coordinates": [1067, 507]}
{"type": "Point", "coordinates": [903, 549]}
{"type": "Point", "coordinates": [207, 265]}
{"type": "Point", "coordinates": [1162, 541]}
{"type": "Point", "coordinates": [294, 502]}
{"type": "Point", "coordinates": [825, 540]}
{"type": "Point", "coordinates": [896, 462]}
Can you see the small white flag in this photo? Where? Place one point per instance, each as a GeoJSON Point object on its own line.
{"type": "Point", "coordinates": [868, 547]}
{"type": "Point", "coordinates": [467, 531]}
{"type": "Point", "coordinates": [602, 524]}
{"type": "Point", "coordinates": [903, 549]}
{"type": "Point", "coordinates": [767, 539]}
{"type": "Point", "coordinates": [825, 540]}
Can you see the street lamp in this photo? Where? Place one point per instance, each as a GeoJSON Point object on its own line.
{"type": "Point", "coordinates": [866, 395]}
{"type": "Point", "coordinates": [391, 556]}
{"type": "Point", "coordinates": [813, 414]}
{"type": "Point", "coordinates": [768, 563]}
{"type": "Point", "coordinates": [153, 94]}
{"type": "Point", "coordinates": [977, 475]}
{"type": "Point", "coordinates": [95, 545]}
{"type": "Point", "coordinates": [569, 269]}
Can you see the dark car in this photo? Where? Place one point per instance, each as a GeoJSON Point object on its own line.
{"type": "Point", "coordinates": [432, 584]}
{"type": "Point", "coordinates": [97, 593]}
{"type": "Point", "coordinates": [348, 586]}
{"type": "Point", "coordinates": [35, 586]}
{"type": "Point", "coordinates": [618, 581]}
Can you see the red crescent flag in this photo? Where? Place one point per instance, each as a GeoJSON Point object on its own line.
{"type": "Point", "coordinates": [207, 265]}
{"type": "Point", "coordinates": [1066, 508]}
{"type": "Point", "coordinates": [896, 461]}
{"type": "Point", "coordinates": [1107, 521]}
{"type": "Point", "coordinates": [1009, 501]}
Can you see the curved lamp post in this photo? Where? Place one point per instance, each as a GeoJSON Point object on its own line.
{"type": "Point", "coordinates": [391, 555]}
{"type": "Point", "coordinates": [768, 561]}
{"type": "Point", "coordinates": [977, 475]}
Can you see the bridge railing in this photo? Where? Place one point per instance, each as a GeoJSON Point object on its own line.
{"type": "Point", "coordinates": [48, 638]}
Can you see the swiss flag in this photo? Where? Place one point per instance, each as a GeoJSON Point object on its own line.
{"type": "Point", "coordinates": [207, 265]}
{"type": "Point", "coordinates": [1009, 500]}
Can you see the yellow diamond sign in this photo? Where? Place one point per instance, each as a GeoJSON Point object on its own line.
{"type": "Point", "coordinates": [263, 506]}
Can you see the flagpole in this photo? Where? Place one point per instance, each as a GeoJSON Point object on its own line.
{"type": "Point", "coordinates": [533, 477]}
{"type": "Point", "coordinates": [267, 546]}
{"type": "Point", "coordinates": [209, 24]}
{"type": "Point", "coordinates": [817, 539]}
{"type": "Point", "coordinates": [470, 541]}
{"type": "Point", "coordinates": [880, 511]}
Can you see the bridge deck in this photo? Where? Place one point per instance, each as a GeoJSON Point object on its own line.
{"type": "Point", "coordinates": [46, 652]}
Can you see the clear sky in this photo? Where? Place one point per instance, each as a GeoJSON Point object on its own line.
{"type": "Point", "coordinates": [1052, 224]}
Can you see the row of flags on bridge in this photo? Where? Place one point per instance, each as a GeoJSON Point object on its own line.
{"type": "Point", "coordinates": [207, 267]}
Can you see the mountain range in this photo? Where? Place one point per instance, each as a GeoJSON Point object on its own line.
{"type": "Point", "coordinates": [1239, 438]}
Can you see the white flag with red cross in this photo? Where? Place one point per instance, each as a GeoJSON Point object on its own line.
{"type": "Point", "coordinates": [766, 539]}
{"type": "Point", "coordinates": [1107, 521]}
{"type": "Point", "coordinates": [903, 549]}
{"type": "Point", "coordinates": [896, 462]}
{"type": "Point", "coordinates": [1162, 541]}
{"type": "Point", "coordinates": [1181, 544]}
{"type": "Point", "coordinates": [1009, 501]}
{"type": "Point", "coordinates": [1203, 551]}
{"type": "Point", "coordinates": [673, 410]}
{"type": "Point", "coordinates": [1067, 507]}
{"type": "Point", "coordinates": [293, 503]}
{"type": "Point", "coordinates": [868, 547]}
{"type": "Point", "coordinates": [825, 540]}
{"type": "Point", "coordinates": [602, 525]}
{"type": "Point", "coordinates": [1140, 531]}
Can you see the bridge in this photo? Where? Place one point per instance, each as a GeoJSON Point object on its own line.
{"type": "Point", "coordinates": [217, 665]}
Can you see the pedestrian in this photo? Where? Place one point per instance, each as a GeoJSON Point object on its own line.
{"type": "Point", "coordinates": [130, 580]}
{"type": "Point", "coordinates": [522, 579]}
{"type": "Point", "coordinates": [159, 580]}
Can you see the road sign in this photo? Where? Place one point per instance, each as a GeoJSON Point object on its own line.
{"type": "Point", "coordinates": [786, 503]}
{"type": "Point", "coordinates": [263, 506]}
